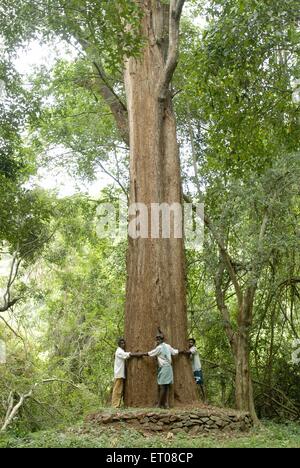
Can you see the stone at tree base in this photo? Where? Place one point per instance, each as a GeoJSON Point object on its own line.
{"type": "Point", "coordinates": [194, 416]}
{"type": "Point", "coordinates": [152, 419]}
{"type": "Point", "coordinates": [166, 420]}
{"type": "Point", "coordinates": [194, 421]}
{"type": "Point", "coordinates": [156, 427]}
{"type": "Point", "coordinates": [234, 417]}
{"type": "Point", "coordinates": [177, 431]}
{"type": "Point", "coordinates": [130, 416]}
{"type": "Point", "coordinates": [197, 421]}
{"type": "Point", "coordinates": [219, 422]}
{"type": "Point", "coordinates": [107, 418]}
{"type": "Point", "coordinates": [189, 424]}
{"type": "Point", "coordinates": [194, 430]}
{"type": "Point", "coordinates": [134, 421]}
{"type": "Point", "coordinates": [178, 424]}
{"type": "Point", "coordinates": [173, 418]}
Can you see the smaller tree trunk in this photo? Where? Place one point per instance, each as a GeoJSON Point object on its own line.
{"type": "Point", "coordinates": [243, 381]}
{"type": "Point", "coordinates": [242, 391]}
{"type": "Point", "coordinates": [239, 342]}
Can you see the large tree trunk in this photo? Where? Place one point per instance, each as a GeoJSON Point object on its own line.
{"type": "Point", "coordinates": [156, 296]}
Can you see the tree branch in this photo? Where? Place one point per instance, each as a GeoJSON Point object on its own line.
{"type": "Point", "coordinates": [11, 329]}
{"type": "Point", "coordinates": [228, 262]}
{"type": "Point", "coordinates": [221, 303]}
{"type": "Point", "coordinates": [113, 101]}
{"type": "Point", "coordinates": [176, 7]}
{"type": "Point", "coordinates": [8, 303]}
{"type": "Point", "coordinates": [107, 92]}
{"type": "Point", "coordinates": [224, 254]}
{"type": "Point", "coordinates": [13, 410]}
{"type": "Point", "coordinates": [115, 179]}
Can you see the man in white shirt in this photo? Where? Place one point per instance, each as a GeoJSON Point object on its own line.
{"type": "Point", "coordinates": [164, 353]}
{"type": "Point", "coordinates": [197, 367]}
{"type": "Point", "coordinates": [119, 372]}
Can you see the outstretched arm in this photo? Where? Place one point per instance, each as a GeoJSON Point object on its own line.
{"type": "Point", "coordinates": [155, 352]}
{"type": "Point", "coordinates": [138, 355]}
{"type": "Point", "coordinates": [174, 352]}
{"type": "Point", "coordinates": [122, 354]}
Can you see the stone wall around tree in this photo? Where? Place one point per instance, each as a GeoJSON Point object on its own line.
{"type": "Point", "coordinates": [192, 421]}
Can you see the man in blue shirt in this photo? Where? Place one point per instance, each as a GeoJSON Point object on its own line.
{"type": "Point", "coordinates": [197, 367]}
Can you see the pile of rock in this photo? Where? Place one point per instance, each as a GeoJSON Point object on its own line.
{"type": "Point", "coordinates": [194, 422]}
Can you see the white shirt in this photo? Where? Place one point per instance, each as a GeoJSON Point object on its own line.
{"type": "Point", "coordinates": [120, 358]}
{"type": "Point", "coordinates": [162, 360]}
{"type": "Point", "coordinates": [196, 363]}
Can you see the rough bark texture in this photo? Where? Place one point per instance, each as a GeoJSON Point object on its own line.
{"type": "Point", "coordinates": [243, 381]}
{"type": "Point", "coordinates": [156, 296]}
{"type": "Point", "coordinates": [242, 370]}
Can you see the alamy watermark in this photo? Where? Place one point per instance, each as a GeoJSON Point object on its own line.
{"type": "Point", "coordinates": [2, 89]}
{"type": "Point", "coordinates": [296, 92]}
{"type": "Point", "coordinates": [152, 221]}
{"type": "Point", "coordinates": [296, 352]}
{"type": "Point", "coordinates": [2, 352]}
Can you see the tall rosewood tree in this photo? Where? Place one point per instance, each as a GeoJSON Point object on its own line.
{"type": "Point", "coordinates": [156, 297]}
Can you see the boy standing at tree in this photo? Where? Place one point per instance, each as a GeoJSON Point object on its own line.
{"type": "Point", "coordinates": [119, 372]}
{"type": "Point", "coordinates": [197, 367]}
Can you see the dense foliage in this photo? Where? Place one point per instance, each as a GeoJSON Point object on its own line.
{"type": "Point", "coordinates": [237, 107]}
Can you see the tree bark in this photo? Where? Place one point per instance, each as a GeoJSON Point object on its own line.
{"type": "Point", "coordinates": [156, 296]}
{"type": "Point", "coordinates": [243, 380]}
{"type": "Point", "coordinates": [239, 340]}
{"type": "Point", "coordinates": [242, 370]}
